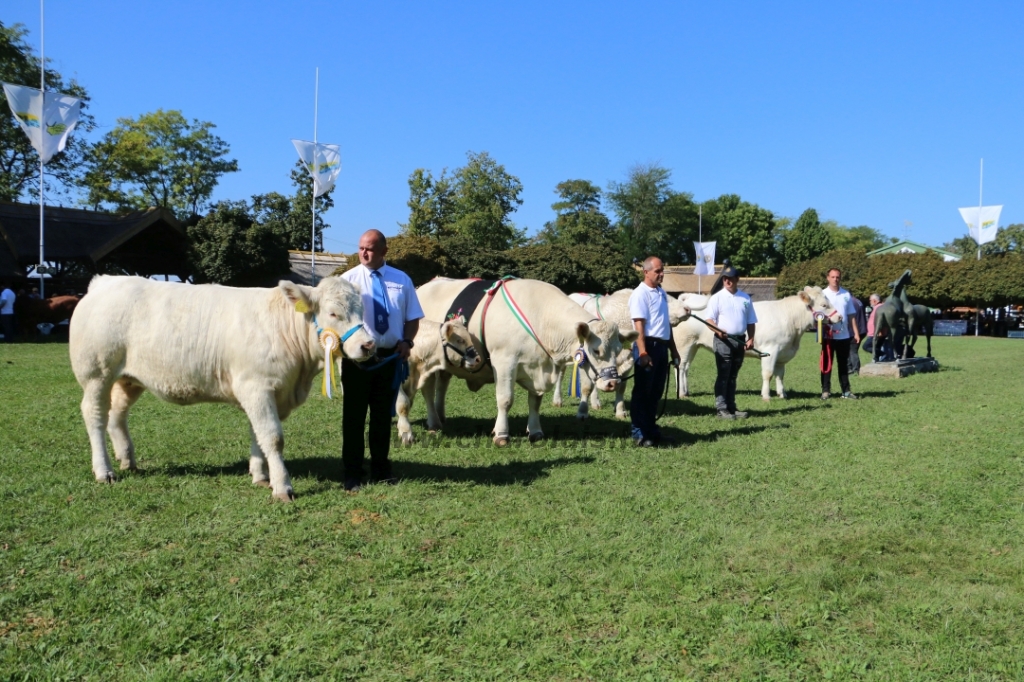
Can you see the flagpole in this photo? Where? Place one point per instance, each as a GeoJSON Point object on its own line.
{"type": "Point", "coordinates": [42, 124]}
{"type": "Point", "coordinates": [981, 187]}
{"type": "Point", "coordinates": [312, 239]}
{"type": "Point", "coordinates": [700, 236]}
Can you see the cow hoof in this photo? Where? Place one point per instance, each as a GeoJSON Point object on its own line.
{"type": "Point", "coordinates": [534, 437]}
{"type": "Point", "coordinates": [557, 402]}
{"type": "Point", "coordinates": [621, 415]}
{"type": "Point", "coordinates": [109, 477]}
{"type": "Point", "coordinates": [286, 496]}
{"type": "Point", "coordinates": [766, 398]}
{"type": "Point", "coordinates": [407, 439]}
{"type": "Point", "coordinates": [501, 441]}
{"type": "Point", "coordinates": [129, 466]}
{"type": "Point", "coordinates": [262, 484]}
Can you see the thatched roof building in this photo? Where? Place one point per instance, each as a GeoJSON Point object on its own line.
{"type": "Point", "coordinates": [149, 242]}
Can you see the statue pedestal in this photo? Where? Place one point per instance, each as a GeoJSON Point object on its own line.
{"type": "Point", "coordinates": [899, 368]}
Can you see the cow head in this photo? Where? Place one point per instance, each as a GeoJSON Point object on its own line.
{"type": "Point", "coordinates": [457, 346]}
{"type": "Point", "coordinates": [677, 311]}
{"type": "Point", "coordinates": [815, 300]}
{"type": "Point", "coordinates": [334, 304]}
{"type": "Point", "coordinates": [601, 342]}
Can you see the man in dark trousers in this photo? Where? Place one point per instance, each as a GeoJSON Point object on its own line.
{"type": "Point", "coordinates": [648, 308]}
{"type": "Point", "coordinates": [391, 314]}
{"type": "Point", "coordinates": [732, 312]}
{"type": "Point", "coordinates": [839, 345]}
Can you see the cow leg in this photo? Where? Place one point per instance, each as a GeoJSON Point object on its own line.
{"type": "Point", "coordinates": [533, 421]}
{"type": "Point", "coordinates": [403, 405]}
{"type": "Point", "coordinates": [122, 396]}
{"type": "Point", "coordinates": [257, 462]}
{"type": "Point", "coordinates": [442, 379]}
{"type": "Point", "coordinates": [504, 394]}
{"type": "Point", "coordinates": [95, 412]}
{"type": "Point", "coordinates": [429, 385]}
{"type": "Point", "coordinates": [556, 399]}
{"type": "Point", "coordinates": [620, 400]}
{"type": "Point", "coordinates": [682, 374]}
{"type": "Point", "coordinates": [588, 395]}
{"type": "Point", "coordinates": [266, 427]}
{"type": "Point", "coordinates": [767, 371]}
{"type": "Point", "coordinates": [780, 373]}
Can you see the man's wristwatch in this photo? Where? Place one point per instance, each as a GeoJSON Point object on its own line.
{"type": "Point", "coordinates": [409, 343]}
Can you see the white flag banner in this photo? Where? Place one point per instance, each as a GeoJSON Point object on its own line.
{"type": "Point", "coordinates": [323, 161]}
{"type": "Point", "coordinates": [982, 222]}
{"type": "Point", "coordinates": [47, 118]}
{"type": "Point", "coordinates": [705, 258]}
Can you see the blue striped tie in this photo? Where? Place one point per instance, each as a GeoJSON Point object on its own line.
{"type": "Point", "coordinates": [380, 303]}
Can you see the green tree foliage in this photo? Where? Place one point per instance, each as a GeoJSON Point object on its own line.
{"type": "Point", "coordinates": [807, 239]}
{"type": "Point", "coordinates": [476, 202]}
{"type": "Point", "coordinates": [1008, 239]}
{"type": "Point", "coordinates": [745, 233]}
{"type": "Point", "coordinates": [859, 237]}
{"type": "Point", "coordinates": [19, 162]}
{"type": "Point", "coordinates": [159, 159]}
{"type": "Point", "coordinates": [579, 219]}
{"type": "Point", "coordinates": [420, 257]}
{"type": "Point", "coordinates": [239, 245]}
{"type": "Point", "coordinates": [993, 281]}
{"type": "Point", "coordinates": [652, 218]}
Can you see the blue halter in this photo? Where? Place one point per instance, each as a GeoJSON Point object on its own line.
{"type": "Point", "coordinates": [344, 337]}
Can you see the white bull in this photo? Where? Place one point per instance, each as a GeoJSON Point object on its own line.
{"type": "Point", "coordinates": [511, 352]}
{"type": "Point", "coordinates": [780, 326]}
{"type": "Point", "coordinates": [436, 348]}
{"type": "Point", "coordinates": [615, 308]}
{"type": "Point", "coordinates": [192, 344]}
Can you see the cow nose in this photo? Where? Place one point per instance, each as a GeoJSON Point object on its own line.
{"type": "Point", "coordinates": [611, 385]}
{"type": "Point", "coordinates": [369, 346]}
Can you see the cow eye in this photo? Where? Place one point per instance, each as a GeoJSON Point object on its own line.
{"type": "Point", "coordinates": [333, 315]}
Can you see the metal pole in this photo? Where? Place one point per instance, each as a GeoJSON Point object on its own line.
{"type": "Point", "coordinates": [700, 236]}
{"type": "Point", "coordinates": [42, 129]}
{"type": "Point", "coordinates": [312, 239]}
{"type": "Point", "coordinates": [981, 186]}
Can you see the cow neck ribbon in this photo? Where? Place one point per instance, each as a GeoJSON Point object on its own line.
{"type": "Point", "coordinates": [331, 343]}
{"type": "Point", "coordinates": [516, 313]}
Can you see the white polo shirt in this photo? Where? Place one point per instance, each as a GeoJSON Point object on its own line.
{"type": "Point", "coordinates": [842, 301]}
{"type": "Point", "coordinates": [403, 305]}
{"type": "Point", "coordinates": [731, 312]}
{"type": "Point", "coordinates": [651, 306]}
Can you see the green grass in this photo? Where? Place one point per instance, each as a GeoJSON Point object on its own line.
{"type": "Point", "coordinates": [879, 539]}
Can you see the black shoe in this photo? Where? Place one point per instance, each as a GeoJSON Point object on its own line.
{"type": "Point", "coordinates": [726, 414]}
{"type": "Point", "coordinates": [353, 485]}
{"type": "Point", "coordinates": [740, 415]}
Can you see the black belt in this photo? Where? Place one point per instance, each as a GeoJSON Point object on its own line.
{"type": "Point", "coordinates": [653, 340]}
{"type": "Point", "coordinates": [386, 352]}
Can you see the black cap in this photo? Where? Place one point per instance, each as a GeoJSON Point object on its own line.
{"type": "Point", "coordinates": [729, 271]}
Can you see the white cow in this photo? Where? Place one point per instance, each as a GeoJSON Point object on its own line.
{"type": "Point", "coordinates": [615, 308]}
{"type": "Point", "coordinates": [512, 353]}
{"type": "Point", "coordinates": [436, 348]}
{"type": "Point", "coordinates": [190, 344]}
{"type": "Point", "coordinates": [780, 326]}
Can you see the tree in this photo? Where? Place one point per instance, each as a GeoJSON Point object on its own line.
{"type": "Point", "coordinates": [807, 239]}
{"type": "Point", "coordinates": [579, 219]}
{"type": "Point", "coordinates": [19, 162]}
{"type": "Point", "coordinates": [300, 213]}
{"type": "Point", "coordinates": [160, 159]}
{"type": "Point", "coordinates": [639, 204]}
{"type": "Point", "coordinates": [745, 233]}
{"type": "Point", "coordinates": [1008, 239]}
{"type": "Point", "coordinates": [860, 237]}
{"type": "Point", "coordinates": [230, 246]}
{"type": "Point", "coordinates": [474, 202]}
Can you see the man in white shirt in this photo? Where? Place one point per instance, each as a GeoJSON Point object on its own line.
{"type": "Point", "coordinates": [7, 297]}
{"type": "Point", "coordinates": [391, 315]}
{"type": "Point", "coordinates": [648, 308]}
{"type": "Point", "coordinates": [732, 312]}
{"type": "Point", "coordinates": [836, 350]}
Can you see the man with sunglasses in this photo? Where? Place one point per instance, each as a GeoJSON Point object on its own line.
{"type": "Point", "coordinates": [648, 308]}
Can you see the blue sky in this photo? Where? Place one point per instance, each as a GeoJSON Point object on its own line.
{"type": "Point", "coordinates": [873, 113]}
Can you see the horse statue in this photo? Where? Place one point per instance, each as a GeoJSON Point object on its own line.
{"type": "Point", "coordinates": [919, 319]}
{"type": "Point", "coordinates": [890, 316]}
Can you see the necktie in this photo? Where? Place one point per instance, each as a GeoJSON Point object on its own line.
{"type": "Point", "coordinates": [380, 303]}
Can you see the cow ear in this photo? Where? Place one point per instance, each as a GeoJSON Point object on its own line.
{"type": "Point", "coordinates": [629, 337]}
{"type": "Point", "coordinates": [582, 332]}
{"type": "Point", "coordinates": [804, 297]}
{"type": "Point", "coordinates": [298, 295]}
{"type": "Point", "coordinates": [446, 331]}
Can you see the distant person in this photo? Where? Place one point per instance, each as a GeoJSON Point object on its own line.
{"type": "Point", "coordinates": [7, 298]}
{"type": "Point", "coordinates": [732, 311]}
{"type": "Point", "coordinates": [840, 333]}
{"type": "Point", "coordinates": [34, 294]}
{"type": "Point", "coordinates": [861, 321]}
{"type": "Point", "coordinates": [885, 353]}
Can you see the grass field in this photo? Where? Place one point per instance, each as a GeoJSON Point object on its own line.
{"type": "Point", "coordinates": [879, 539]}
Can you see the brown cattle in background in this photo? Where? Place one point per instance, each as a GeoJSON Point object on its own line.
{"type": "Point", "coordinates": [30, 312]}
